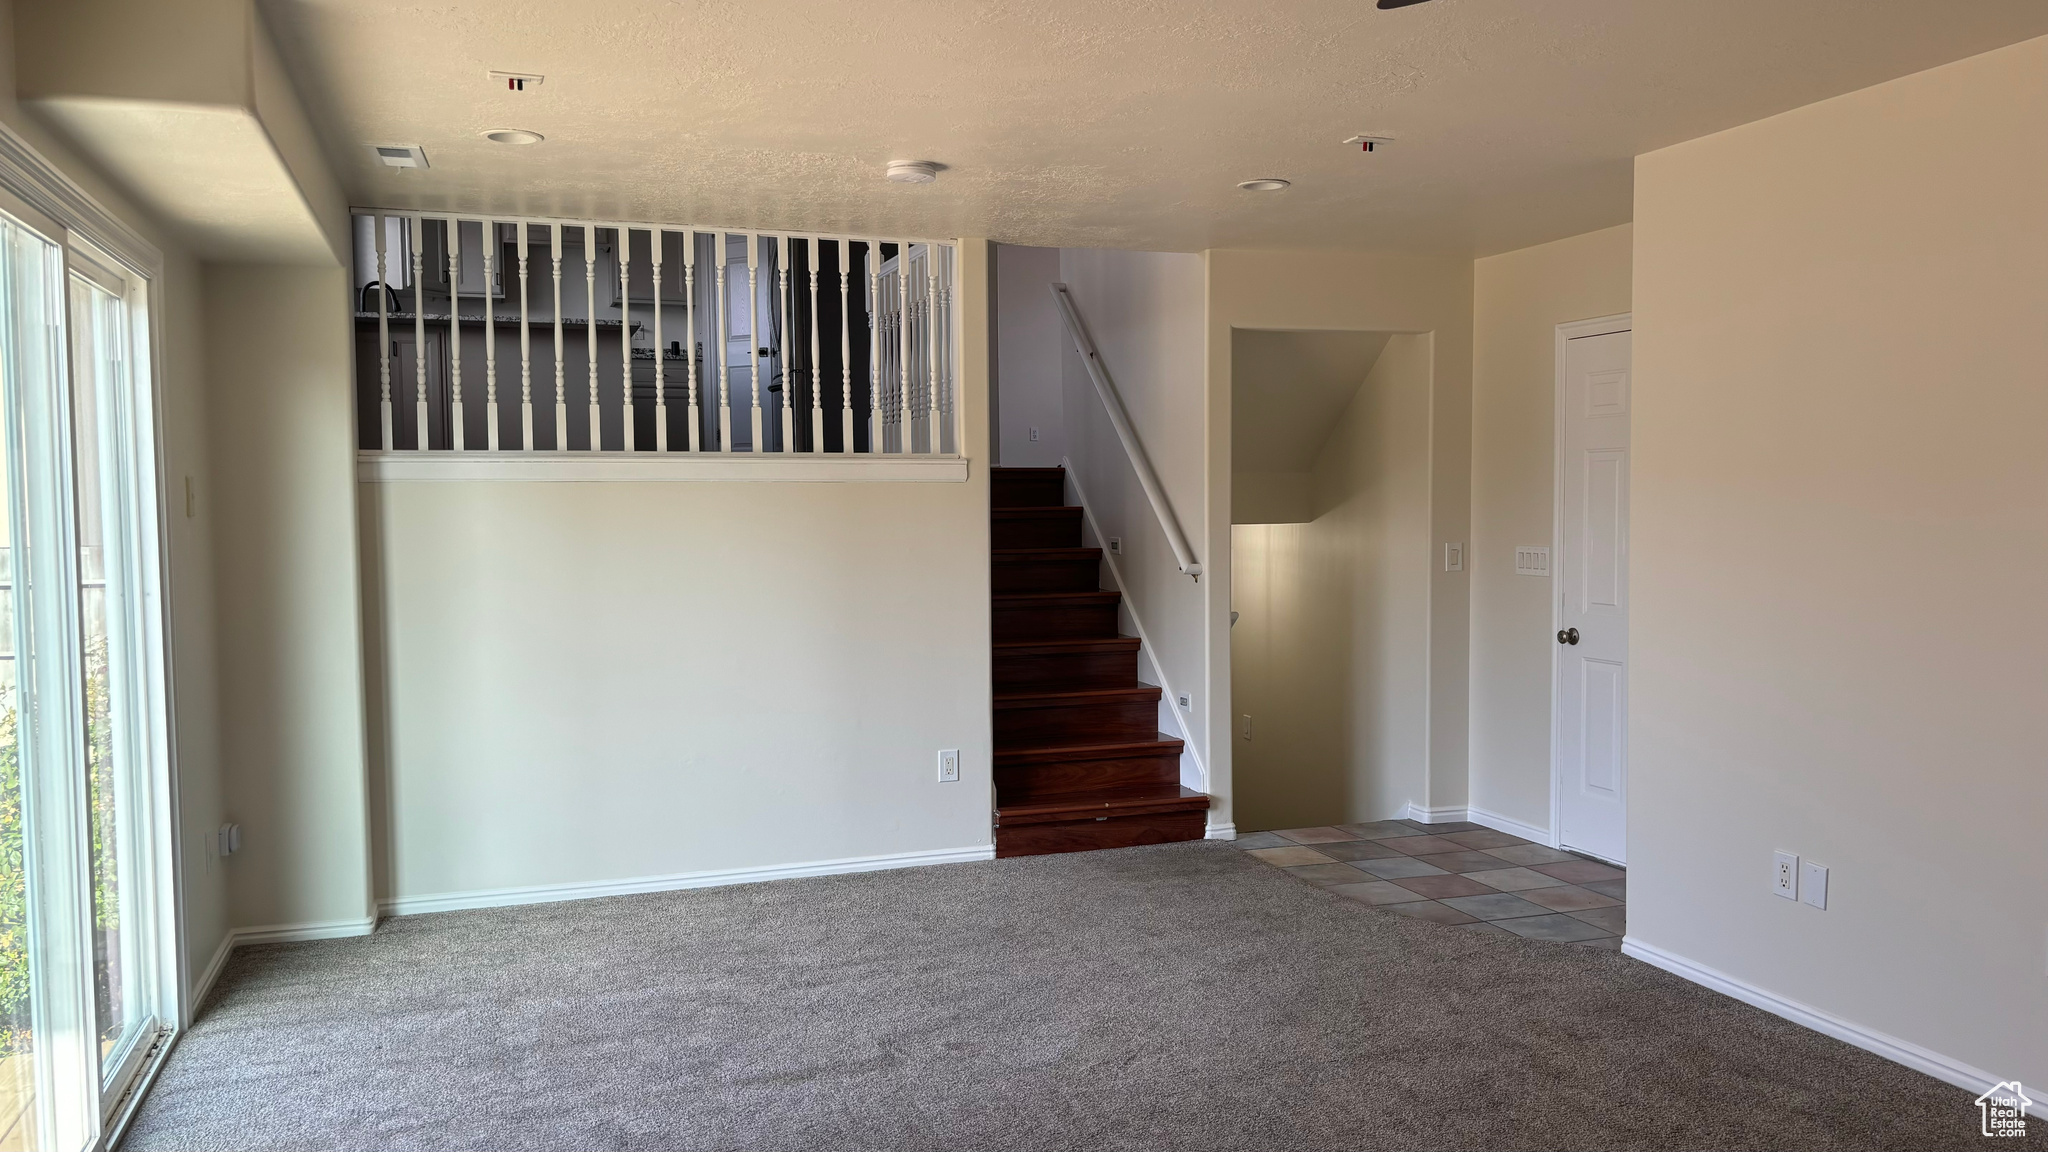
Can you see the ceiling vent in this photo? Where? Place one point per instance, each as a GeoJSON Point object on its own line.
{"type": "Point", "coordinates": [400, 155]}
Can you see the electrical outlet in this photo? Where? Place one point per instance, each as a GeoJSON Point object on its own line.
{"type": "Point", "coordinates": [1187, 702]}
{"type": "Point", "coordinates": [1785, 875]}
{"type": "Point", "coordinates": [1034, 435]}
{"type": "Point", "coordinates": [1454, 557]}
{"type": "Point", "coordinates": [1247, 727]}
{"type": "Point", "coordinates": [949, 765]}
{"type": "Point", "coordinates": [1813, 885]}
{"type": "Point", "coordinates": [1116, 545]}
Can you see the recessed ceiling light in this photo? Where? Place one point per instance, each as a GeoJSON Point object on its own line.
{"type": "Point", "coordinates": [913, 171]}
{"type": "Point", "coordinates": [1265, 184]}
{"type": "Point", "coordinates": [513, 136]}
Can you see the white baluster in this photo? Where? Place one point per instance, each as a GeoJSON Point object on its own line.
{"type": "Point", "coordinates": [690, 330]}
{"type": "Point", "coordinates": [625, 244]}
{"type": "Point", "coordinates": [754, 330]}
{"type": "Point", "coordinates": [590, 331]}
{"type": "Point", "coordinates": [782, 343]}
{"type": "Point", "coordinates": [561, 370]}
{"type": "Point", "coordinates": [419, 328]}
{"type": "Point", "coordinates": [654, 236]}
{"type": "Point", "coordinates": [876, 440]}
{"type": "Point", "coordinates": [385, 440]}
{"type": "Point", "coordinates": [525, 352]}
{"type": "Point", "coordinates": [455, 331]}
{"type": "Point", "coordinates": [931, 332]}
{"type": "Point", "coordinates": [950, 407]}
{"type": "Point", "coordinates": [904, 434]}
{"type": "Point", "coordinates": [817, 400]}
{"type": "Point", "coordinates": [487, 235]}
{"type": "Point", "coordinates": [845, 353]}
{"type": "Point", "coordinates": [722, 339]}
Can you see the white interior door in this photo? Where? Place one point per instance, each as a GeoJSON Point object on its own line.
{"type": "Point", "coordinates": [1591, 673]}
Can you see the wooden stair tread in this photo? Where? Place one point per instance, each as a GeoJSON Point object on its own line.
{"type": "Point", "coordinates": [1081, 644]}
{"type": "Point", "coordinates": [1129, 801]}
{"type": "Point", "coordinates": [1007, 470]}
{"type": "Point", "coordinates": [1024, 555]}
{"type": "Point", "coordinates": [1027, 599]}
{"type": "Point", "coordinates": [1165, 745]}
{"type": "Point", "coordinates": [1076, 696]}
{"type": "Point", "coordinates": [1035, 512]}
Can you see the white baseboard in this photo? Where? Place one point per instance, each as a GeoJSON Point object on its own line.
{"type": "Point", "coordinates": [1964, 1076]}
{"type": "Point", "coordinates": [204, 984]}
{"type": "Point", "coordinates": [1435, 815]}
{"type": "Point", "coordinates": [292, 933]}
{"type": "Point", "coordinates": [551, 893]}
{"type": "Point", "coordinates": [1221, 832]}
{"type": "Point", "coordinates": [1509, 825]}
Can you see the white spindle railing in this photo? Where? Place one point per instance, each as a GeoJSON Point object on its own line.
{"type": "Point", "coordinates": [886, 336]}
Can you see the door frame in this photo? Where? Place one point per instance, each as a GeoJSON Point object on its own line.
{"type": "Point", "coordinates": [1565, 333]}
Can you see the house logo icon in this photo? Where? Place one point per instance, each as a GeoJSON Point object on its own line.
{"type": "Point", "coordinates": [2004, 1109]}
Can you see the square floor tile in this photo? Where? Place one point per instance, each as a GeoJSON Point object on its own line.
{"type": "Point", "coordinates": [1615, 888]}
{"type": "Point", "coordinates": [1528, 854]}
{"type": "Point", "coordinates": [1482, 928]}
{"type": "Point", "coordinates": [1415, 825]}
{"type": "Point", "coordinates": [1514, 879]}
{"type": "Point", "coordinates": [1436, 913]}
{"type": "Point", "coordinates": [1570, 898]}
{"type": "Point", "coordinates": [1258, 840]}
{"type": "Point", "coordinates": [1613, 919]}
{"type": "Point", "coordinates": [1377, 892]}
{"type": "Point", "coordinates": [1495, 906]}
{"type": "Point", "coordinates": [1464, 861]}
{"type": "Point", "coordinates": [1557, 926]}
{"type": "Point", "coordinates": [1580, 871]}
{"type": "Point", "coordinates": [1378, 829]}
{"type": "Point", "coordinates": [1604, 943]}
{"type": "Point", "coordinates": [1291, 857]}
{"type": "Point", "coordinates": [1442, 827]}
{"type": "Point", "coordinates": [1422, 845]}
{"type": "Point", "coordinates": [1398, 868]}
{"type": "Point", "coordinates": [1315, 835]}
{"type": "Point", "coordinates": [1485, 838]}
{"type": "Point", "coordinates": [1362, 850]}
{"type": "Point", "coordinates": [1438, 887]}
{"type": "Point", "coordinates": [1327, 874]}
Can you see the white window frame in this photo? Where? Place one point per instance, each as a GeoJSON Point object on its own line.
{"type": "Point", "coordinates": [99, 247]}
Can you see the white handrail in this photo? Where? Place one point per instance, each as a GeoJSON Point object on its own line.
{"type": "Point", "coordinates": [1119, 419]}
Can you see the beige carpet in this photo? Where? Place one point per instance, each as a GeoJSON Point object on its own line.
{"type": "Point", "coordinates": [1178, 997]}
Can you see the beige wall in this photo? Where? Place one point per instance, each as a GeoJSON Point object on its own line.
{"type": "Point", "coordinates": [1840, 641]}
{"type": "Point", "coordinates": [188, 551]}
{"type": "Point", "coordinates": [1518, 300]}
{"type": "Point", "coordinates": [282, 427]}
{"type": "Point", "coordinates": [1330, 656]}
{"type": "Point", "coordinates": [1144, 311]}
{"type": "Point", "coordinates": [1365, 292]}
{"type": "Point", "coordinates": [1028, 357]}
{"type": "Point", "coordinates": [607, 682]}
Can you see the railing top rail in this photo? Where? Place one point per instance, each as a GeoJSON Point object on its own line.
{"type": "Point", "coordinates": [643, 225]}
{"type": "Point", "coordinates": [1183, 554]}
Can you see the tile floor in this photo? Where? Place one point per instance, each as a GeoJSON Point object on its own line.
{"type": "Point", "coordinates": [1467, 876]}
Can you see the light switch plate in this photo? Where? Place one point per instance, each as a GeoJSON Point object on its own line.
{"type": "Point", "coordinates": [1813, 885]}
{"type": "Point", "coordinates": [1532, 561]}
{"type": "Point", "coordinates": [1454, 557]}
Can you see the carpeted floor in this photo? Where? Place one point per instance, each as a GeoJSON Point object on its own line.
{"type": "Point", "coordinates": [1178, 997]}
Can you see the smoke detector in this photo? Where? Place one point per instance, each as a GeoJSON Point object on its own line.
{"type": "Point", "coordinates": [400, 155]}
{"type": "Point", "coordinates": [516, 81]}
{"type": "Point", "coordinates": [1370, 143]}
{"type": "Point", "coordinates": [1265, 184]}
{"type": "Point", "coordinates": [512, 136]}
{"type": "Point", "coordinates": [913, 171]}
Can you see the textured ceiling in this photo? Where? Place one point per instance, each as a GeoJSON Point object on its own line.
{"type": "Point", "coordinates": [1287, 391]}
{"type": "Point", "coordinates": [1107, 123]}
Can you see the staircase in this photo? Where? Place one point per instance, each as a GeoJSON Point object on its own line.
{"type": "Point", "coordinates": [1080, 763]}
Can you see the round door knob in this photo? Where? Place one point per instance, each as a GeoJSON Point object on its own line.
{"type": "Point", "coordinates": [1568, 636]}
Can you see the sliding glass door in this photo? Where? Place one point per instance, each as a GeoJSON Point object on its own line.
{"type": "Point", "coordinates": [87, 971]}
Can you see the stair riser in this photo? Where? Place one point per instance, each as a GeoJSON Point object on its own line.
{"type": "Point", "coordinates": [1032, 492]}
{"type": "Point", "coordinates": [1067, 671]}
{"type": "Point", "coordinates": [1077, 575]}
{"type": "Point", "coordinates": [1047, 622]}
{"type": "Point", "coordinates": [1087, 835]}
{"type": "Point", "coordinates": [1037, 532]}
{"type": "Point", "coordinates": [1094, 723]}
{"type": "Point", "coordinates": [1023, 781]}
